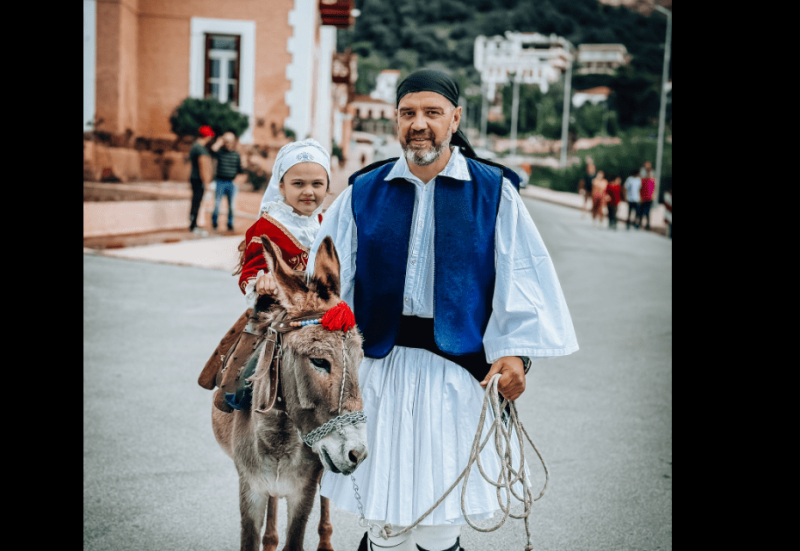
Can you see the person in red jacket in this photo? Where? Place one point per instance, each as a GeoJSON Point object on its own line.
{"type": "Point", "coordinates": [646, 194]}
{"type": "Point", "coordinates": [613, 197]}
{"type": "Point", "coordinates": [291, 214]}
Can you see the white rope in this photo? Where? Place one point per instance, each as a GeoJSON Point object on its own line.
{"type": "Point", "coordinates": [506, 479]}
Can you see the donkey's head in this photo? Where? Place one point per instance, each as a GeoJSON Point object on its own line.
{"type": "Point", "coordinates": [319, 373]}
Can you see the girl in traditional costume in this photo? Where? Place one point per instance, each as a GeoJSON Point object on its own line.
{"type": "Point", "coordinates": [291, 213]}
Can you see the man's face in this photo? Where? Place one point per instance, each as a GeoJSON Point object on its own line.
{"type": "Point", "coordinates": [425, 123]}
{"type": "Point", "coordinates": [228, 140]}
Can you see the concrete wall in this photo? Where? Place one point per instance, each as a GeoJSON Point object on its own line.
{"type": "Point", "coordinates": [100, 161]}
{"type": "Point", "coordinates": [163, 69]}
{"type": "Point", "coordinates": [107, 92]}
{"type": "Point", "coordinates": [116, 69]}
{"type": "Point", "coordinates": [120, 217]}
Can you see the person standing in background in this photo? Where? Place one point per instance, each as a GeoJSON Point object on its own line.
{"type": "Point", "coordinates": [646, 196]}
{"type": "Point", "coordinates": [586, 189]}
{"type": "Point", "coordinates": [613, 197]}
{"type": "Point", "coordinates": [633, 185]}
{"type": "Point", "coordinates": [599, 184]}
{"type": "Point", "coordinates": [201, 174]}
{"type": "Point", "coordinates": [229, 165]}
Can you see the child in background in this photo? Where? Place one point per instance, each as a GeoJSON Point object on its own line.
{"type": "Point", "coordinates": [613, 197]}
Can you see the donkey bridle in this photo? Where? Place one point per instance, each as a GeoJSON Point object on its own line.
{"type": "Point", "coordinates": [273, 352]}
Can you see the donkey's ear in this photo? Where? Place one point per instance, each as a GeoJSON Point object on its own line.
{"type": "Point", "coordinates": [326, 270]}
{"type": "Point", "coordinates": [291, 289]}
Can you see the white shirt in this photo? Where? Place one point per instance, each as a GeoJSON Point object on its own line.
{"type": "Point", "coordinates": [632, 187]}
{"type": "Point", "coordinates": [529, 317]}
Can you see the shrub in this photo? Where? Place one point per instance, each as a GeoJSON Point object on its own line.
{"type": "Point", "coordinates": [557, 179]}
{"type": "Point", "coordinates": [336, 151]}
{"type": "Point", "coordinates": [257, 176]}
{"type": "Point", "coordinates": [193, 113]}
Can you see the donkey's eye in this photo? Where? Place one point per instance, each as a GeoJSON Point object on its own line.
{"type": "Point", "coordinates": [322, 364]}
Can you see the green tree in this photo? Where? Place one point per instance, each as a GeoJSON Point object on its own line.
{"type": "Point", "coordinates": [590, 119]}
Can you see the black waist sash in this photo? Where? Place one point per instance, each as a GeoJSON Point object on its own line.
{"type": "Point", "coordinates": [416, 332]}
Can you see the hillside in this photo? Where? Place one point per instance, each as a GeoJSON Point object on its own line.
{"type": "Point", "coordinates": [440, 34]}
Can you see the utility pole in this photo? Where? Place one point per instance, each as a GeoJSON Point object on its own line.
{"type": "Point", "coordinates": [662, 115]}
{"type": "Point", "coordinates": [515, 113]}
{"type": "Point", "coordinates": [567, 101]}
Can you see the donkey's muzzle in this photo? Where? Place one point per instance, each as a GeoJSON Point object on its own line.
{"type": "Point", "coordinates": [357, 455]}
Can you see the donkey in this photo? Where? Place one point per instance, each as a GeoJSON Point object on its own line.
{"type": "Point", "coordinates": [313, 380]}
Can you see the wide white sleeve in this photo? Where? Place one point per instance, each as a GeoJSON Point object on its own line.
{"type": "Point", "coordinates": [250, 295]}
{"type": "Point", "coordinates": [530, 316]}
{"type": "Point", "coordinates": [338, 222]}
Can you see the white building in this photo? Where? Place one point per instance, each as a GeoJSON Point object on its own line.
{"type": "Point", "coordinates": [601, 58]}
{"type": "Point", "coordinates": [592, 95]}
{"type": "Point", "coordinates": [535, 58]}
{"type": "Point", "coordinates": [386, 86]}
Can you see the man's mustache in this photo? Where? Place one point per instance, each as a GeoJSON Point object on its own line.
{"type": "Point", "coordinates": [424, 134]}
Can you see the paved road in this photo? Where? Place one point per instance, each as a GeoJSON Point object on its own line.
{"type": "Point", "coordinates": [155, 479]}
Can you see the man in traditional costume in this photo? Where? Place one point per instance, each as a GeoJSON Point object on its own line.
{"type": "Point", "coordinates": [450, 283]}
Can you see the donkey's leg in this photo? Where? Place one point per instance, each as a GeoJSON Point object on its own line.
{"type": "Point", "coordinates": [270, 540]}
{"type": "Point", "coordinates": [325, 527]}
{"type": "Point", "coordinates": [299, 507]}
{"type": "Point", "coordinates": [252, 506]}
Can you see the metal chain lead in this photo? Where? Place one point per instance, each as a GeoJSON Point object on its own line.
{"type": "Point", "coordinates": [375, 529]}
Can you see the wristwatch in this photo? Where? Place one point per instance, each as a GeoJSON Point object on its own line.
{"type": "Point", "coordinates": [526, 361]}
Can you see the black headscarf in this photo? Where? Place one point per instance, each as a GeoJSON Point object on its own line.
{"type": "Point", "coordinates": [428, 80]}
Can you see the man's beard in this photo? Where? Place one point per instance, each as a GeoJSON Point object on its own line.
{"type": "Point", "coordinates": [420, 158]}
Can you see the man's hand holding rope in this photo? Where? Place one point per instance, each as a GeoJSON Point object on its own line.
{"type": "Point", "coordinates": [512, 377]}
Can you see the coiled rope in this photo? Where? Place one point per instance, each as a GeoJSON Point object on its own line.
{"type": "Point", "coordinates": [506, 479]}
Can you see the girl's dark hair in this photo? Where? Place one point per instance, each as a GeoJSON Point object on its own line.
{"type": "Point", "coordinates": [241, 248]}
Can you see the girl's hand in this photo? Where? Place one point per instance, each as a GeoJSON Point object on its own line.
{"type": "Point", "coordinates": [265, 284]}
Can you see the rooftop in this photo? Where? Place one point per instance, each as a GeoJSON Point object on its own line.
{"type": "Point", "coordinates": [596, 91]}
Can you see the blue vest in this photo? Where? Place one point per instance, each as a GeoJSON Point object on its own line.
{"type": "Point", "coordinates": [464, 274]}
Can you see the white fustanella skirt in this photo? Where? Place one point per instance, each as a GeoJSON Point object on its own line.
{"type": "Point", "coordinates": [422, 415]}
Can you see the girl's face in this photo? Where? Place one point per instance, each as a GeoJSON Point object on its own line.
{"type": "Point", "coordinates": [305, 186]}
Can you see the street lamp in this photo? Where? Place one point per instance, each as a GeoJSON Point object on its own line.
{"type": "Point", "coordinates": [567, 101]}
{"type": "Point", "coordinates": [662, 115]}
